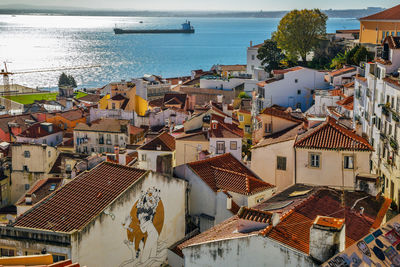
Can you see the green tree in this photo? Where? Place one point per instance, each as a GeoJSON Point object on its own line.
{"type": "Point", "coordinates": [66, 81]}
{"type": "Point", "coordinates": [339, 61]}
{"type": "Point", "coordinates": [243, 95]}
{"type": "Point", "coordinates": [270, 55]}
{"type": "Point", "coordinates": [349, 55]}
{"type": "Point", "coordinates": [361, 55]}
{"type": "Point", "coordinates": [299, 31]}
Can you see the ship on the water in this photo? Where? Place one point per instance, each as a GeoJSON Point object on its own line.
{"type": "Point", "coordinates": [186, 28]}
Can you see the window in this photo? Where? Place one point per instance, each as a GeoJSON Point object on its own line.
{"type": "Point", "coordinates": [27, 154]}
{"type": "Point", "coordinates": [315, 160]}
{"type": "Point", "coordinates": [296, 80]}
{"type": "Point", "coordinates": [233, 145]}
{"type": "Point", "coordinates": [348, 162]}
{"type": "Point", "coordinates": [398, 33]}
{"type": "Point", "coordinates": [57, 138]}
{"type": "Point", "coordinates": [281, 163]}
{"type": "Point", "coordinates": [247, 128]}
{"type": "Point", "coordinates": [241, 118]}
{"type": "Point", "coordinates": [268, 128]}
{"type": "Point", "coordinates": [101, 139]}
{"type": "Point", "coordinates": [44, 142]}
{"type": "Point", "coordinates": [25, 168]}
{"type": "Point", "coordinates": [252, 67]}
{"type": "Point", "coordinates": [57, 258]}
{"type": "Point", "coordinates": [49, 153]}
{"type": "Point", "coordinates": [299, 92]}
{"type": "Point", "coordinates": [113, 106]}
{"type": "Point", "coordinates": [298, 105]}
{"type": "Point", "coordinates": [27, 186]}
{"type": "Point", "coordinates": [259, 199]}
{"type": "Point", "coordinates": [252, 57]}
{"type": "Point", "coordinates": [383, 35]}
{"type": "Point", "coordinates": [7, 252]}
{"type": "Point", "coordinates": [220, 147]}
{"type": "Point", "coordinates": [143, 157]}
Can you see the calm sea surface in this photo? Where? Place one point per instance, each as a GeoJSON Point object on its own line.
{"type": "Point", "coordinates": [36, 42]}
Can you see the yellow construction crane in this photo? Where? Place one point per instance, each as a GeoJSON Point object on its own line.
{"type": "Point", "coordinates": [6, 76]}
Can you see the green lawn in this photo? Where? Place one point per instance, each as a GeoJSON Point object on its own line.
{"type": "Point", "coordinates": [79, 94]}
{"type": "Point", "coordinates": [29, 99]}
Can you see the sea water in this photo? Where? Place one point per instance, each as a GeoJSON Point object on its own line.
{"type": "Point", "coordinates": [34, 42]}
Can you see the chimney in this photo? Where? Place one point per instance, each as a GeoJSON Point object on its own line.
{"type": "Point", "coordinates": [116, 152]}
{"type": "Point", "coordinates": [214, 124]}
{"type": "Point", "coordinates": [28, 199]}
{"type": "Point", "coordinates": [327, 237]}
{"type": "Point", "coordinates": [228, 120]}
{"type": "Point", "coordinates": [251, 43]}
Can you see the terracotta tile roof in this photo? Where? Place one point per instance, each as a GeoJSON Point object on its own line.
{"type": "Point", "coordinates": [254, 215]}
{"type": "Point", "coordinates": [360, 78]}
{"type": "Point", "coordinates": [287, 134]}
{"type": "Point", "coordinates": [78, 202]}
{"type": "Point", "coordinates": [281, 114]}
{"type": "Point", "coordinates": [393, 81]}
{"type": "Point", "coordinates": [337, 92]}
{"type": "Point", "coordinates": [225, 172]}
{"type": "Point", "coordinates": [257, 45]}
{"type": "Point", "coordinates": [294, 228]}
{"type": "Point", "coordinates": [347, 102]}
{"type": "Point", "coordinates": [348, 31]}
{"type": "Point", "coordinates": [388, 14]}
{"type": "Point", "coordinates": [38, 131]}
{"type": "Point", "coordinates": [179, 96]}
{"type": "Point", "coordinates": [90, 98]}
{"type": "Point", "coordinates": [203, 134]}
{"type": "Point", "coordinates": [233, 67]}
{"type": "Point", "coordinates": [329, 222]}
{"type": "Point", "coordinates": [41, 189]}
{"type": "Point", "coordinates": [72, 115]}
{"type": "Point", "coordinates": [271, 80]}
{"type": "Point", "coordinates": [342, 71]}
{"type": "Point", "coordinates": [225, 130]}
{"type": "Point", "coordinates": [244, 111]}
{"type": "Point", "coordinates": [287, 70]}
{"type": "Point", "coordinates": [330, 135]}
{"type": "Point", "coordinates": [393, 41]}
{"type": "Point", "coordinates": [348, 85]}
{"type": "Point", "coordinates": [118, 97]}
{"type": "Point", "coordinates": [156, 102]}
{"type": "Point", "coordinates": [163, 140]}
{"type": "Point", "coordinates": [222, 231]}
{"type": "Point", "coordinates": [104, 125]}
{"type": "Point", "coordinates": [135, 130]}
{"type": "Point", "coordinates": [18, 119]}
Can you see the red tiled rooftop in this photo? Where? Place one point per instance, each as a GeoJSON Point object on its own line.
{"type": "Point", "coordinates": [163, 140]}
{"type": "Point", "coordinates": [388, 14]}
{"type": "Point", "coordinates": [342, 71]}
{"type": "Point", "coordinates": [37, 131]}
{"type": "Point", "coordinates": [360, 78]}
{"type": "Point", "coordinates": [78, 202]}
{"type": "Point", "coordinates": [392, 41]}
{"type": "Point", "coordinates": [254, 215]}
{"type": "Point", "coordinates": [329, 222]}
{"type": "Point", "coordinates": [225, 172]}
{"type": "Point", "coordinates": [347, 102]}
{"type": "Point", "coordinates": [294, 228]}
{"type": "Point", "coordinates": [281, 114]}
{"type": "Point", "coordinates": [287, 70]}
{"type": "Point", "coordinates": [330, 135]}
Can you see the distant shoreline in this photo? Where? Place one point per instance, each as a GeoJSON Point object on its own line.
{"type": "Point", "coordinates": [349, 13]}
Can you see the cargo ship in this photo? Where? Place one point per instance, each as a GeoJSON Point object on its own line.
{"type": "Point", "coordinates": [186, 28]}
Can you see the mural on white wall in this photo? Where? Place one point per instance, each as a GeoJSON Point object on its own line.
{"type": "Point", "coordinates": [143, 227]}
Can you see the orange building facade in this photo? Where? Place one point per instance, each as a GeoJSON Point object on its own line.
{"type": "Point", "coordinates": [375, 28]}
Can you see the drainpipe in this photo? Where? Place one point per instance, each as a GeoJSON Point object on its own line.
{"type": "Point", "coordinates": [295, 166]}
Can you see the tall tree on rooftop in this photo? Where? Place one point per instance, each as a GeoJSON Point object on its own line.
{"type": "Point", "coordinates": [270, 55]}
{"type": "Point", "coordinates": [66, 81]}
{"type": "Point", "coordinates": [299, 32]}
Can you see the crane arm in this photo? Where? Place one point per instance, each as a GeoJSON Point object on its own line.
{"type": "Point", "coordinates": [55, 69]}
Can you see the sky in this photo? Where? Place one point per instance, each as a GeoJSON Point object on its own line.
{"type": "Point", "coordinates": [206, 5]}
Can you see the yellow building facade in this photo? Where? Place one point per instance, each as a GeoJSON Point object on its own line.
{"type": "Point", "coordinates": [374, 28]}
